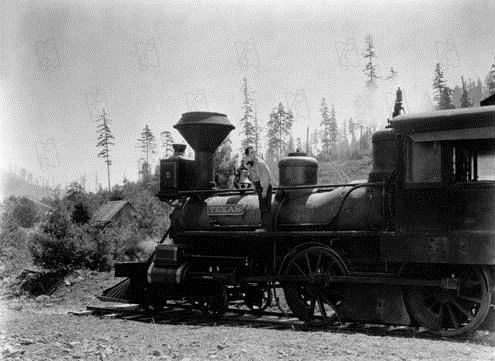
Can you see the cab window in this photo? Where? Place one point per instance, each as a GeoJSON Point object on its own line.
{"type": "Point", "coordinates": [471, 161]}
{"type": "Point", "coordinates": [424, 162]}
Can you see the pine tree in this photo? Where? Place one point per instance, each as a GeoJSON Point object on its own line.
{"type": "Point", "coordinates": [258, 130]}
{"type": "Point", "coordinates": [147, 145]}
{"type": "Point", "coordinates": [333, 130]}
{"type": "Point", "coordinates": [442, 94]}
{"type": "Point", "coordinates": [370, 68]}
{"type": "Point", "coordinates": [278, 131]}
{"type": "Point", "coordinates": [167, 142]}
{"type": "Point", "coordinates": [313, 144]}
{"type": "Point", "coordinates": [248, 126]}
{"type": "Point", "coordinates": [465, 99]}
{"type": "Point", "coordinates": [105, 141]}
{"type": "Point", "coordinates": [325, 129]}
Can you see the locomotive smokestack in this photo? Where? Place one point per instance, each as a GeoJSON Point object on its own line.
{"type": "Point", "coordinates": [204, 131]}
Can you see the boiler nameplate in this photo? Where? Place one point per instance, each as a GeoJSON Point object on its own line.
{"type": "Point", "coordinates": [225, 210]}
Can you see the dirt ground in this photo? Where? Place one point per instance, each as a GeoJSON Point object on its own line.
{"type": "Point", "coordinates": [42, 329]}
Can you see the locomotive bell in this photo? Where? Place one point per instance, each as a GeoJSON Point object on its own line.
{"type": "Point", "coordinates": [204, 131]}
{"type": "Point", "coordinates": [243, 181]}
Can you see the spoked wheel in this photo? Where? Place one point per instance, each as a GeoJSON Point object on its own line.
{"type": "Point", "coordinates": [450, 312]}
{"type": "Point", "coordinates": [258, 297]}
{"type": "Point", "coordinates": [314, 303]}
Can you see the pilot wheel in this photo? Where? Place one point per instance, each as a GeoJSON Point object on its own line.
{"type": "Point", "coordinates": [314, 302]}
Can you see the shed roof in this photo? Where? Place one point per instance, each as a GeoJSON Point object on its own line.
{"type": "Point", "coordinates": [109, 210]}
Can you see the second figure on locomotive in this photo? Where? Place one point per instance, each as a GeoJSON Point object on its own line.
{"type": "Point", "coordinates": [260, 176]}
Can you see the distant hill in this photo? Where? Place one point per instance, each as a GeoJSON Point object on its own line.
{"type": "Point", "coordinates": [12, 184]}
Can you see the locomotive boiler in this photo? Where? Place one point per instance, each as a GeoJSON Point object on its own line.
{"type": "Point", "coordinates": [412, 245]}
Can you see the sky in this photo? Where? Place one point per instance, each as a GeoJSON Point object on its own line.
{"type": "Point", "coordinates": [148, 62]}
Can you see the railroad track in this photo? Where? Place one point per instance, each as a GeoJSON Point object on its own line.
{"type": "Point", "coordinates": [180, 314]}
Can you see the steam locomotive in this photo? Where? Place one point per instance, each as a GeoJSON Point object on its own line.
{"type": "Point", "coordinates": [413, 245]}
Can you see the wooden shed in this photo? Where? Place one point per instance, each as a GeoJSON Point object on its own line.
{"type": "Point", "coordinates": [114, 211]}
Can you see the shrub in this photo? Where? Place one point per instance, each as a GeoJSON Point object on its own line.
{"type": "Point", "coordinates": [21, 211]}
{"type": "Point", "coordinates": [50, 252]}
{"type": "Point", "coordinates": [59, 245]}
{"type": "Point", "coordinates": [56, 223]}
{"type": "Point", "coordinates": [80, 214]}
{"type": "Point", "coordinates": [93, 247]}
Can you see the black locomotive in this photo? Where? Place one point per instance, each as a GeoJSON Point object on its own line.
{"type": "Point", "coordinates": [414, 245]}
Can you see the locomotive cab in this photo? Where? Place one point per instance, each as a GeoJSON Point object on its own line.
{"type": "Point", "coordinates": [445, 202]}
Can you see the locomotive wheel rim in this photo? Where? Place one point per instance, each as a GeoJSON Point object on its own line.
{"type": "Point", "coordinates": [451, 313]}
{"type": "Point", "coordinates": [314, 304]}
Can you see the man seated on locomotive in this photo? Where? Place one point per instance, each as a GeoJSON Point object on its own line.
{"type": "Point", "coordinates": [259, 175]}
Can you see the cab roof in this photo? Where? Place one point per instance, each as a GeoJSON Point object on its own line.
{"type": "Point", "coordinates": [465, 118]}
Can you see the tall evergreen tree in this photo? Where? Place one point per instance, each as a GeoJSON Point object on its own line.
{"type": "Point", "coordinates": [278, 131]}
{"type": "Point", "coordinates": [325, 129]}
{"type": "Point", "coordinates": [334, 131]}
{"type": "Point", "coordinates": [258, 130]}
{"type": "Point", "coordinates": [105, 141]}
{"type": "Point", "coordinates": [248, 120]}
{"type": "Point", "coordinates": [147, 144]}
{"type": "Point", "coordinates": [370, 67]}
{"type": "Point", "coordinates": [166, 145]}
{"type": "Point", "coordinates": [313, 143]}
{"type": "Point", "coordinates": [329, 130]}
{"type": "Point", "coordinates": [465, 99]}
{"type": "Point", "coordinates": [442, 94]}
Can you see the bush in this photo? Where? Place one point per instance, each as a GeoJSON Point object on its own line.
{"type": "Point", "coordinates": [50, 252]}
{"type": "Point", "coordinates": [57, 223]}
{"type": "Point", "coordinates": [61, 245]}
{"type": "Point", "coordinates": [80, 214]}
{"type": "Point", "coordinates": [93, 248]}
{"type": "Point", "coordinates": [21, 211]}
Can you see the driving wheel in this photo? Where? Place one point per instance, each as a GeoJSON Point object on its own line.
{"type": "Point", "coordinates": [314, 303]}
{"type": "Point", "coordinates": [450, 311]}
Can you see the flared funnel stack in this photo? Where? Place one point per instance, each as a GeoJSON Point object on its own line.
{"type": "Point", "coordinates": [204, 131]}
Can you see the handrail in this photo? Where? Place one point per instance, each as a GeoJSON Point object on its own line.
{"type": "Point", "coordinates": [243, 191]}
